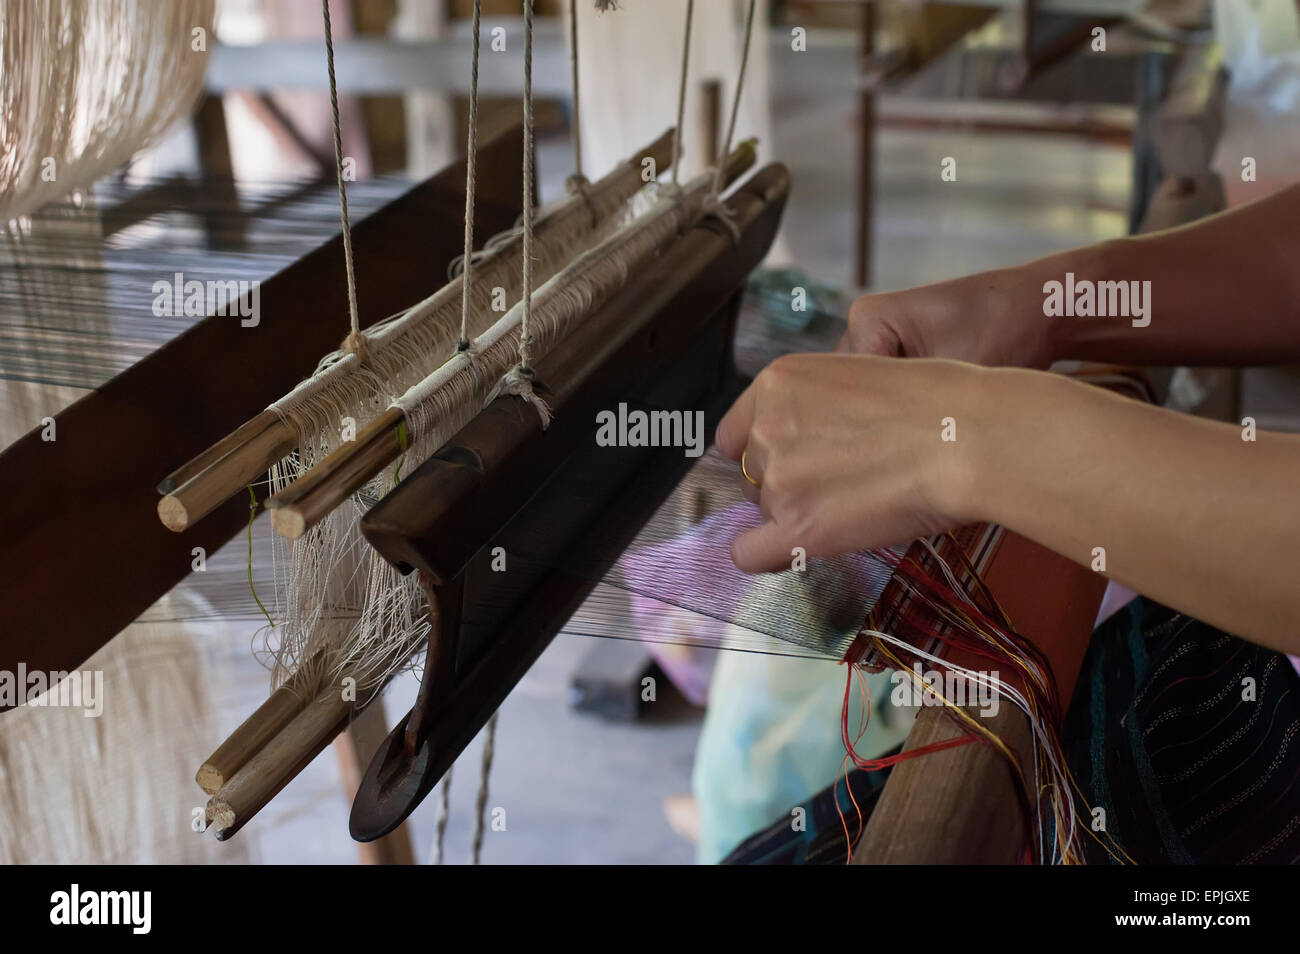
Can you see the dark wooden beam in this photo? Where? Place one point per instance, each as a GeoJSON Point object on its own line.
{"type": "Point", "coordinates": [84, 553]}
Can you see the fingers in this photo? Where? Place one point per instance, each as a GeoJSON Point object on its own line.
{"type": "Point", "coordinates": [751, 473]}
{"type": "Point", "coordinates": [765, 549]}
{"type": "Point", "coordinates": [733, 430]}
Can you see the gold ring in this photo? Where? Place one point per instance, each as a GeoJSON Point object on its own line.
{"type": "Point", "coordinates": [744, 471]}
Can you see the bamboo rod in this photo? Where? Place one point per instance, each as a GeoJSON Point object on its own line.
{"type": "Point", "coordinates": [305, 502]}
{"type": "Point", "coordinates": [278, 762]}
{"type": "Point", "coordinates": [336, 478]}
{"type": "Point", "coordinates": [210, 479]}
{"type": "Point", "coordinates": [213, 486]}
{"type": "Point", "coordinates": [232, 441]}
{"type": "Point", "coordinates": [277, 753]}
{"type": "Point", "coordinates": [280, 708]}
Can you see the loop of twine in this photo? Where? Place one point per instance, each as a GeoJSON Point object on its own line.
{"type": "Point", "coordinates": [356, 343]}
{"type": "Point", "coordinates": [578, 184]}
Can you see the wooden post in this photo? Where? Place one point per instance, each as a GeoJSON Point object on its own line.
{"type": "Point", "coordinates": [354, 749]}
{"type": "Point", "coordinates": [866, 146]}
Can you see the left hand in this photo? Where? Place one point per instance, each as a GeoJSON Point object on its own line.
{"type": "Point", "coordinates": [849, 452]}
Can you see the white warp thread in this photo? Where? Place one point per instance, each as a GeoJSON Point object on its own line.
{"type": "Point", "coordinates": [344, 608]}
{"type": "Point", "coordinates": [84, 86]}
{"type": "Point", "coordinates": [406, 348]}
{"type": "Point", "coordinates": [442, 403]}
{"type": "Point", "coordinates": [340, 610]}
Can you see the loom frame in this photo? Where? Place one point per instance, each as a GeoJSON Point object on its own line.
{"type": "Point", "coordinates": [94, 486]}
{"type": "Point", "coordinates": [665, 342]}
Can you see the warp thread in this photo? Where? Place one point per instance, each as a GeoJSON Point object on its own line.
{"type": "Point", "coordinates": [84, 86]}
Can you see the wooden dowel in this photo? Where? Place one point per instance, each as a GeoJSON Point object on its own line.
{"type": "Point", "coordinates": [290, 751]}
{"type": "Point", "coordinates": [304, 503]}
{"type": "Point", "coordinates": [279, 759]}
{"type": "Point", "coordinates": [253, 734]}
{"type": "Point", "coordinates": [236, 438]}
{"type": "Point", "coordinates": [213, 486]}
{"type": "Point", "coordinates": [959, 806]}
{"type": "Point", "coordinates": [308, 499]}
{"type": "Point", "coordinates": [210, 479]}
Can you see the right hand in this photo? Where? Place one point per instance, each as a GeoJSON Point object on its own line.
{"type": "Point", "coordinates": [993, 318]}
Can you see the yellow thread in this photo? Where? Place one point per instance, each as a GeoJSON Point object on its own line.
{"type": "Point", "coordinates": [252, 515]}
{"type": "Point", "coordinates": [402, 443]}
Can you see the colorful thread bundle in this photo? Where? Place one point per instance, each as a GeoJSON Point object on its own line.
{"type": "Point", "coordinates": [941, 614]}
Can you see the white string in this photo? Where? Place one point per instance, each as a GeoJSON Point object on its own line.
{"type": "Point", "coordinates": [354, 342]}
{"type": "Point", "coordinates": [471, 154]}
{"type": "Point", "coordinates": [444, 813]}
{"type": "Point", "coordinates": [713, 205]}
{"type": "Point", "coordinates": [524, 370]}
{"type": "Point", "coordinates": [577, 112]}
{"type": "Point", "coordinates": [489, 744]}
{"type": "Point", "coordinates": [681, 92]}
{"type": "Point", "coordinates": [735, 103]}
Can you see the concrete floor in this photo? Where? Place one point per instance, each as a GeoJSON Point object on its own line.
{"type": "Point", "coordinates": [576, 788]}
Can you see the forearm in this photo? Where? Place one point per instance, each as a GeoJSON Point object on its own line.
{"type": "Point", "coordinates": [1185, 510]}
{"type": "Point", "coordinates": [1223, 291]}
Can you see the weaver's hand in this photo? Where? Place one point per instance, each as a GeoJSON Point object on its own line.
{"type": "Point", "coordinates": [850, 452]}
{"type": "Point", "coordinates": [993, 318]}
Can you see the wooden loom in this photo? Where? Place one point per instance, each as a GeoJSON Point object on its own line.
{"type": "Point", "coordinates": [664, 341]}
{"type": "Point", "coordinates": [562, 508]}
{"type": "Point", "coordinates": [682, 305]}
{"type": "Point", "coordinates": [96, 482]}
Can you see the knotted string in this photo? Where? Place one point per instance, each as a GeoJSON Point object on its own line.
{"type": "Point", "coordinates": [355, 342]}
{"type": "Point", "coordinates": [519, 380]}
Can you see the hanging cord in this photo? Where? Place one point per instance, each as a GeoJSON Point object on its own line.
{"type": "Point", "coordinates": [444, 815]}
{"type": "Point", "coordinates": [577, 182]}
{"type": "Point", "coordinates": [355, 342]}
{"type": "Point", "coordinates": [713, 204]}
{"type": "Point", "coordinates": [489, 743]}
{"type": "Point", "coordinates": [525, 336]}
{"type": "Point", "coordinates": [681, 93]}
{"type": "Point", "coordinates": [577, 112]}
{"type": "Point", "coordinates": [471, 155]}
{"type": "Point", "coordinates": [519, 380]}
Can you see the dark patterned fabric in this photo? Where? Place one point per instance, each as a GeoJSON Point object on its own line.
{"type": "Point", "coordinates": [1187, 738]}
{"type": "Point", "coordinates": [819, 837]}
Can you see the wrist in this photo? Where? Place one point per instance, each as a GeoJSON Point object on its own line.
{"type": "Point", "coordinates": [972, 413]}
{"type": "Point", "coordinates": [1011, 439]}
{"type": "Point", "coordinates": [1064, 337]}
